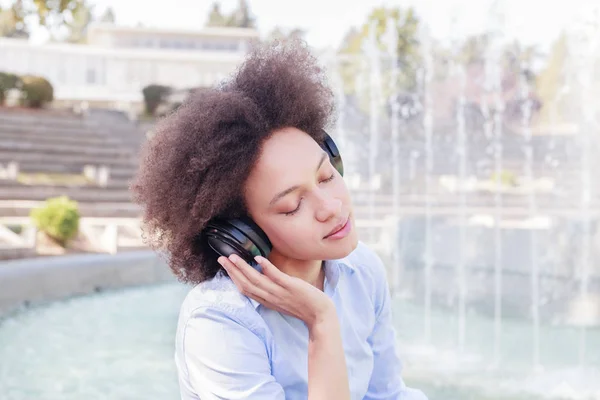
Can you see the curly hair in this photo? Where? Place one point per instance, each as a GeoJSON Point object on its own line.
{"type": "Point", "coordinates": [194, 167]}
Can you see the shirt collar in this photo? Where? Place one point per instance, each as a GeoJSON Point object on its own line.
{"type": "Point", "coordinates": [333, 271]}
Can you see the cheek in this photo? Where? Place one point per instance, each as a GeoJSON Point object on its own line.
{"type": "Point", "coordinates": [341, 190]}
{"type": "Point", "coordinates": [290, 234]}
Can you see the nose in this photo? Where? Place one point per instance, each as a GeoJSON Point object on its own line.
{"type": "Point", "coordinates": [328, 208]}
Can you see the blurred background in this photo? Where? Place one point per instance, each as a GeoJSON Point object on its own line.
{"type": "Point", "coordinates": [470, 135]}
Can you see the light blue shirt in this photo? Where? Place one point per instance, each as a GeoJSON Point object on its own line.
{"type": "Point", "coordinates": [231, 347]}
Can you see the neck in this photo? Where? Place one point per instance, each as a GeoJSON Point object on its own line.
{"type": "Point", "coordinates": [309, 271]}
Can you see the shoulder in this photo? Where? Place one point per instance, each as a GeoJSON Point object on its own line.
{"type": "Point", "coordinates": [221, 341]}
{"type": "Point", "coordinates": [218, 299]}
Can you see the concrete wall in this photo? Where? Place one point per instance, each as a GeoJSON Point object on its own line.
{"type": "Point", "coordinates": [40, 280]}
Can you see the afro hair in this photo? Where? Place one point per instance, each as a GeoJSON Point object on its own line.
{"type": "Point", "coordinates": [194, 167]}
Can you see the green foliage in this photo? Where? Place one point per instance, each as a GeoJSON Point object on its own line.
{"type": "Point", "coordinates": [12, 21]}
{"type": "Point", "coordinates": [154, 95]}
{"type": "Point", "coordinates": [58, 218]}
{"type": "Point", "coordinates": [506, 178]}
{"type": "Point", "coordinates": [56, 11]}
{"type": "Point", "coordinates": [78, 23]}
{"type": "Point", "coordinates": [54, 15]}
{"type": "Point", "coordinates": [108, 17]}
{"type": "Point", "coordinates": [7, 82]}
{"type": "Point", "coordinates": [37, 91]}
{"type": "Point", "coordinates": [406, 24]}
{"type": "Point", "coordinates": [216, 17]}
{"type": "Point", "coordinates": [557, 104]}
{"type": "Point", "coordinates": [239, 18]}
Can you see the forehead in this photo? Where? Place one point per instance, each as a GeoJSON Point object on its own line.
{"type": "Point", "coordinates": [287, 148]}
{"type": "Point", "coordinates": [288, 157]}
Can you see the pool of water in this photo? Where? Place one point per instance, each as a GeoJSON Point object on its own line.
{"type": "Point", "coordinates": [119, 345]}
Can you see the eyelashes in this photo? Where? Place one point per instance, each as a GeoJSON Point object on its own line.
{"type": "Point", "coordinates": [290, 213]}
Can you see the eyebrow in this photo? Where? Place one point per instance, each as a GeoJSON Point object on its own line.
{"type": "Point", "coordinates": [295, 187]}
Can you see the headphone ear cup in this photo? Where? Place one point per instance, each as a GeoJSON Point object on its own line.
{"type": "Point", "coordinates": [334, 154]}
{"type": "Point", "coordinates": [239, 236]}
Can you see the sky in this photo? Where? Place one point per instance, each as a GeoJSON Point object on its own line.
{"type": "Point", "coordinates": [327, 21]}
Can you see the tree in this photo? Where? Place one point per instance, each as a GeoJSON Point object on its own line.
{"type": "Point", "coordinates": [388, 40]}
{"type": "Point", "coordinates": [78, 24]}
{"type": "Point", "coordinates": [154, 95]}
{"type": "Point", "coordinates": [54, 13]}
{"type": "Point", "coordinates": [241, 17]}
{"type": "Point", "coordinates": [75, 15]}
{"type": "Point", "coordinates": [552, 82]}
{"type": "Point", "coordinates": [405, 26]}
{"type": "Point", "coordinates": [473, 49]}
{"type": "Point", "coordinates": [12, 21]}
{"type": "Point", "coordinates": [108, 17]}
{"type": "Point", "coordinates": [216, 17]}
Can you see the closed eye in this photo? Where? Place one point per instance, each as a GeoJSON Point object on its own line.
{"type": "Point", "coordinates": [329, 179]}
{"type": "Point", "coordinates": [295, 210]}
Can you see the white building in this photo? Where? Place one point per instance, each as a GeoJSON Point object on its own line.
{"type": "Point", "coordinates": [117, 62]}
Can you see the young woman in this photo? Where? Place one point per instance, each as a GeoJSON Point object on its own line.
{"type": "Point", "coordinates": [312, 318]}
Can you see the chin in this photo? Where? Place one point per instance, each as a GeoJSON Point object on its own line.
{"type": "Point", "coordinates": [342, 248]}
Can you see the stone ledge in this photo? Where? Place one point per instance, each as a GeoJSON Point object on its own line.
{"type": "Point", "coordinates": [36, 281]}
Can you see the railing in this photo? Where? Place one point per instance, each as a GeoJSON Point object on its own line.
{"type": "Point", "coordinates": [108, 235]}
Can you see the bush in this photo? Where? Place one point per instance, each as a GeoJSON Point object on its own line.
{"type": "Point", "coordinates": [154, 95]}
{"type": "Point", "coordinates": [59, 219]}
{"type": "Point", "coordinates": [37, 91]}
{"type": "Point", "coordinates": [8, 82]}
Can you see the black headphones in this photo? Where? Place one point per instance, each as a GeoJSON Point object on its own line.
{"type": "Point", "coordinates": [242, 236]}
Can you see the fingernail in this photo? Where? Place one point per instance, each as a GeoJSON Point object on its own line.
{"type": "Point", "coordinates": [221, 260]}
{"type": "Point", "coordinates": [234, 258]}
{"type": "Point", "coordinates": [259, 259]}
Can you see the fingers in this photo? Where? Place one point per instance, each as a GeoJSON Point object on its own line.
{"type": "Point", "coordinates": [256, 278]}
{"type": "Point", "coordinates": [272, 272]}
{"type": "Point", "coordinates": [249, 281]}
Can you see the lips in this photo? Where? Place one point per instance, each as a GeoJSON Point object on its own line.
{"type": "Point", "coordinates": [337, 228]}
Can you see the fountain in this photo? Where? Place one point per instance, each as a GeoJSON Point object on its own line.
{"type": "Point", "coordinates": [586, 45]}
{"type": "Point", "coordinates": [425, 79]}
{"type": "Point", "coordinates": [493, 129]}
{"type": "Point", "coordinates": [391, 41]}
{"type": "Point", "coordinates": [514, 291]}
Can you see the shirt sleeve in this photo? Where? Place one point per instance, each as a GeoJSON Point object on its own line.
{"type": "Point", "coordinates": [226, 360]}
{"type": "Point", "coordinates": [386, 381]}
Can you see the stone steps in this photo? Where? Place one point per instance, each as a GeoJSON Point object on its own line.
{"type": "Point", "coordinates": [112, 184]}
{"type": "Point", "coordinates": [51, 131]}
{"type": "Point", "coordinates": [67, 158]}
{"type": "Point", "coordinates": [82, 194]}
{"type": "Point", "coordinates": [41, 116]}
{"type": "Point", "coordinates": [61, 149]}
{"type": "Point", "coordinates": [119, 173]}
{"type": "Point", "coordinates": [83, 140]}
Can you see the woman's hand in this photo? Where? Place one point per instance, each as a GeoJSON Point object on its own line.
{"type": "Point", "coordinates": [327, 373]}
{"type": "Point", "coordinates": [279, 291]}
